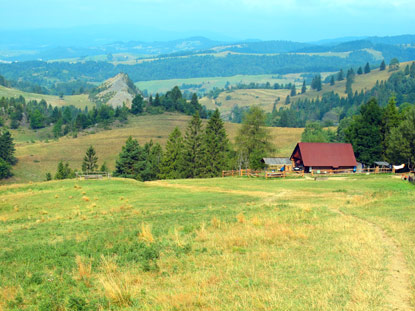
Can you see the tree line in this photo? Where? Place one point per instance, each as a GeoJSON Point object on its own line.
{"type": "Point", "coordinates": [376, 133]}
{"type": "Point", "coordinates": [201, 152]}
{"type": "Point", "coordinates": [332, 106]}
{"type": "Point", "coordinates": [69, 119]}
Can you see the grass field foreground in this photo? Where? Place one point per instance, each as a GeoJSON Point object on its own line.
{"type": "Point", "coordinates": [208, 244]}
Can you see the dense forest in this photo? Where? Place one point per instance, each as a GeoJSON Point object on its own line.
{"type": "Point", "coordinates": [43, 73]}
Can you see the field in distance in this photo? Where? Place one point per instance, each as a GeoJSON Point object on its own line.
{"type": "Point", "coordinates": [38, 157]}
{"type": "Point", "coordinates": [79, 101]}
{"type": "Point", "coordinates": [208, 244]}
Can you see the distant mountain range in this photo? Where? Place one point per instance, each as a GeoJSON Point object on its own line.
{"type": "Point", "coordinates": [34, 48]}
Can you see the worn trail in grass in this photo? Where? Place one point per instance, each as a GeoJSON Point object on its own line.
{"type": "Point", "coordinates": [206, 244]}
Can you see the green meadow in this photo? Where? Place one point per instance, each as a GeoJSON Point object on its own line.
{"type": "Point", "coordinates": [346, 243]}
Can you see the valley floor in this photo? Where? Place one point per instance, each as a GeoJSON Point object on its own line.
{"type": "Point", "coordinates": [208, 244]}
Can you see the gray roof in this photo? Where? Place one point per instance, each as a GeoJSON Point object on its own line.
{"type": "Point", "coordinates": [382, 163]}
{"type": "Point", "coordinates": [277, 161]}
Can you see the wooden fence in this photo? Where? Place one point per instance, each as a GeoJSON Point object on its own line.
{"type": "Point", "coordinates": [278, 174]}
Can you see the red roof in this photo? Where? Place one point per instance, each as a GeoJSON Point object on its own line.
{"type": "Point", "coordinates": [325, 154]}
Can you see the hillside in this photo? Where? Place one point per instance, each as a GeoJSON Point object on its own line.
{"type": "Point", "coordinates": [38, 157]}
{"type": "Point", "coordinates": [79, 101]}
{"type": "Point", "coordinates": [265, 98]}
{"type": "Point", "coordinates": [208, 244]}
{"type": "Point", "coordinates": [115, 91]}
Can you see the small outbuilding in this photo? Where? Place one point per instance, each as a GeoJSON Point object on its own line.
{"type": "Point", "coordinates": [323, 156]}
{"type": "Point", "coordinates": [277, 163]}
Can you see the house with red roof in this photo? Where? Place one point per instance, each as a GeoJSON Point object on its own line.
{"type": "Point", "coordinates": [323, 156]}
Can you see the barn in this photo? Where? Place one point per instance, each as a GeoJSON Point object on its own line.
{"type": "Point", "coordinates": [323, 156]}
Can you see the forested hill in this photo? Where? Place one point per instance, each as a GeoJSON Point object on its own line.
{"type": "Point", "coordinates": [332, 107]}
{"type": "Point", "coordinates": [41, 73]}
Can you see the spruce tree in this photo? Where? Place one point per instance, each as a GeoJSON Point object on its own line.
{"type": "Point", "coordinates": [382, 65]}
{"type": "Point", "coordinates": [364, 133]}
{"type": "Point", "coordinates": [153, 155]}
{"type": "Point", "coordinates": [340, 75]}
{"type": "Point", "coordinates": [193, 149]}
{"type": "Point", "coordinates": [130, 160]}
{"type": "Point", "coordinates": [64, 171]}
{"type": "Point", "coordinates": [316, 83]}
{"type": "Point", "coordinates": [367, 68]}
{"type": "Point", "coordinates": [171, 165]}
{"type": "Point", "coordinates": [90, 160]}
{"type": "Point", "coordinates": [303, 88]}
{"type": "Point", "coordinates": [401, 146]}
{"type": "Point", "coordinates": [332, 80]}
{"type": "Point", "coordinates": [360, 71]}
{"type": "Point", "coordinates": [216, 146]}
{"type": "Point", "coordinates": [412, 70]}
{"type": "Point", "coordinates": [390, 119]}
{"type": "Point", "coordinates": [137, 105]}
{"type": "Point", "coordinates": [5, 169]}
{"type": "Point", "coordinates": [156, 101]}
{"type": "Point", "coordinates": [7, 148]}
{"type": "Point", "coordinates": [293, 90]}
{"type": "Point", "coordinates": [253, 139]}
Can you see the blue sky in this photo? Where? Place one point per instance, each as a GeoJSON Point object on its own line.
{"type": "Point", "coordinates": [298, 20]}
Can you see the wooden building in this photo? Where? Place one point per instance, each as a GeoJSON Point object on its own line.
{"type": "Point", "coordinates": [323, 156]}
{"type": "Point", "coordinates": [277, 163]}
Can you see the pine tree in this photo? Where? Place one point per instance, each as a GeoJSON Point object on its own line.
{"type": "Point", "coordinates": [48, 176]}
{"type": "Point", "coordinates": [340, 75]}
{"type": "Point", "coordinates": [401, 147]}
{"type": "Point", "coordinates": [288, 100]}
{"type": "Point", "coordinates": [303, 88]}
{"type": "Point", "coordinates": [382, 65]}
{"type": "Point", "coordinates": [90, 160]}
{"type": "Point", "coordinates": [156, 102]}
{"type": "Point", "coordinates": [406, 71]}
{"type": "Point", "coordinates": [360, 71]}
{"type": "Point", "coordinates": [216, 146]}
{"type": "Point", "coordinates": [364, 133]}
{"type": "Point", "coordinates": [171, 166]}
{"type": "Point", "coordinates": [5, 169]}
{"type": "Point", "coordinates": [153, 154]}
{"type": "Point", "coordinates": [293, 90]}
{"type": "Point", "coordinates": [390, 119]}
{"type": "Point", "coordinates": [194, 103]}
{"type": "Point", "coordinates": [104, 168]}
{"type": "Point", "coordinates": [7, 148]}
{"type": "Point", "coordinates": [316, 83]}
{"type": "Point", "coordinates": [137, 105]}
{"type": "Point", "coordinates": [253, 139]}
{"type": "Point", "coordinates": [367, 68]}
{"type": "Point", "coordinates": [412, 70]}
{"type": "Point", "coordinates": [193, 149]}
{"type": "Point", "coordinates": [131, 160]}
{"type": "Point", "coordinates": [332, 80]}
{"type": "Point", "coordinates": [64, 171]}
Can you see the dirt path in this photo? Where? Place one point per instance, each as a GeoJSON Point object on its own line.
{"type": "Point", "coordinates": [399, 295]}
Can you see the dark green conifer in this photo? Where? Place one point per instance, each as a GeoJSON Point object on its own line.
{"type": "Point", "coordinates": [171, 166]}
{"type": "Point", "coordinates": [216, 146]}
{"type": "Point", "coordinates": [89, 163]}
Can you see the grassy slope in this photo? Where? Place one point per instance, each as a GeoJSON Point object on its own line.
{"type": "Point", "coordinates": [266, 98]}
{"type": "Point", "coordinates": [35, 159]}
{"type": "Point", "coordinates": [79, 101]}
{"type": "Point", "coordinates": [214, 244]}
{"type": "Point", "coordinates": [263, 98]}
{"type": "Point", "coordinates": [209, 83]}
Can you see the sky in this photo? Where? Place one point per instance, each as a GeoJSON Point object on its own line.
{"type": "Point", "coordinates": [296, 20]}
